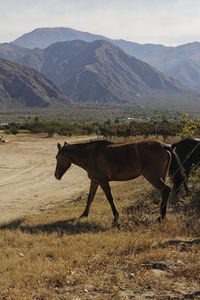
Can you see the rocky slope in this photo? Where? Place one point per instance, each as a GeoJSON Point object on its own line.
{"type": "Point", "coordinates": [25, 87]}
{"type": "Point", "coordinates": [169, 60]}
{"type": "Point", "coordinates": [102, 72]}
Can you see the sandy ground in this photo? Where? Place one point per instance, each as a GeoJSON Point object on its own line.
{"type": "Point", "coordinates": [27, 182]}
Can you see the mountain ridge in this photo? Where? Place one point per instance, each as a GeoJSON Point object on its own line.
{"type": "Point", "coordinates": [99, 71]}
{"type": "Point", "coordinates": [48, 36]}
{"type": "Point", "coordinates": [164, 58]}
{"type": "Point", "coordinates": [25, 87]}
{"type": "Point", "coordinates": [85, 71]}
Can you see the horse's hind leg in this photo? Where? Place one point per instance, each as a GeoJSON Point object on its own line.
{"type": "Point", "coordinates": [164, 190]}
{"type": "Point", "coordinates": [107, 190]}
{"type": "Point", "coordinates": [164, 194]}
{"type": "Point", "coordinates": [92, 192]}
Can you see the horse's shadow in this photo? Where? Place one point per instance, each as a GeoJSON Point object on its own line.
{"type": "Point", "coordinates": [71, 227]}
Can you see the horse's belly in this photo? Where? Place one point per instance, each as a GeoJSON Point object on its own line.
{"type": "Point", "coordinates": [124, 178]}
{"type": "Point", "coordinates": [124, 174]}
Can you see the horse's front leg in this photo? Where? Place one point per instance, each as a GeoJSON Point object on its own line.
{"type": "Point", "coordinates": [92, 192]}
{"type": "Point", "coordinates": [187, 171]}
{"type": "Point", "coordinates": [164, 194]}
{"type": "Point", "coordinates": [107, 190]}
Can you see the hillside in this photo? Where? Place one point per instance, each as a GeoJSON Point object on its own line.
{"type": "Point", "coordinates": [13, 52]}
{"type": "Point", "coordinates": [25, 87]}
{"type": "Point", "coordinates": [187, 72]}
{"type": "Point", "coordinates": [165, 59]}
{"type": "Point", "coordinates": [102, 72]}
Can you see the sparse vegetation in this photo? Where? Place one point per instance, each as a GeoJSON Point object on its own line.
{"type": "Point", "coordinates": [94, 113]}
{"type": "Point", "coordinates": [107, 122]}
{"type": "Point", "coordinates": [58, 256]}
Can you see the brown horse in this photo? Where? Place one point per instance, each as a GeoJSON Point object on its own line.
{"type": "Point", "coordinates": [105, 161]}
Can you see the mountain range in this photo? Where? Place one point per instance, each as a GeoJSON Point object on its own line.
{"type": "Point", "coordinates": [101, 72]}
{"type": "Point", "coordinates": [181, 62]}
{"type": "Point", "coordinates": [25, 87]}
{"type": "Point", "coordinates": [93, 68]}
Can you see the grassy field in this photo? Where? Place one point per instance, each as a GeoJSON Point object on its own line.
{"type": "Point", "coordinates": [57, 256]}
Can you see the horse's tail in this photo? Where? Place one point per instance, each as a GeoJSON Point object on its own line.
{"type": "Point", "coordinates": [176, 172]}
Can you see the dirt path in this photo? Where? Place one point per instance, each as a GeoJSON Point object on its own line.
{"type": "Point", "coordinates": [27, 182]}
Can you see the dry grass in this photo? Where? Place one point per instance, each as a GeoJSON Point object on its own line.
{"type": "Point", "coordinates": [58, 256]}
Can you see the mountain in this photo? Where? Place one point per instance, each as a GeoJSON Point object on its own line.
{"type": "Point", "coordinates": [169, 57]}
{"type": "Point", "coordinates": [25, 87]}
{"type": "Point", "coordinates": [13, 52]}
{"type": "Point", "coordinates": [181, 62]}
{"type": "Point", "coordinates": [165, 59]}
{"type": "Point", "coordinates": [102, 72]}
{"type": "Point", "coordinates": [43, 37]}
{"type": "Point", "coordinates": [187, 72]}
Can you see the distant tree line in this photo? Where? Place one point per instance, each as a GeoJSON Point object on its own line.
{"type": "Point", "coordinates": [50, 127]}
{"type": "Point", "coordinates": [107, 129]}
{"type": "Point", "coordinates": [144, 129]}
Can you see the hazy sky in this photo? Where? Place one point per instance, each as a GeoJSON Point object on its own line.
{"type": "Point", "coordinates": [168, 22]}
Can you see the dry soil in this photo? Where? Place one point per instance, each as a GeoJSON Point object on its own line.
{"type": "Point", "coordinates": [27, 182]}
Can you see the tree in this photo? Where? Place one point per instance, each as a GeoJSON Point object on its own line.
{"type": "Point", "coordinates": [189, 127]}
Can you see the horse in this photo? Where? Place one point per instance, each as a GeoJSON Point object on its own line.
{"type": "Point", "coordinates": [105, 161]}
{"type": "Point", "coordinates": [188, 151]}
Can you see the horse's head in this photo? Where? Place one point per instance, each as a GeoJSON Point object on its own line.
{"type": "Point", "coordinates": [63, 162]}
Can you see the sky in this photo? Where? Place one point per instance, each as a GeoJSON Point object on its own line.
{"type": "Point", "coordinates": [167, 22]}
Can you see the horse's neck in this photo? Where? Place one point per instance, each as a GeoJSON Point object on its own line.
{"type": "Point", "coordinates": [79, 157]}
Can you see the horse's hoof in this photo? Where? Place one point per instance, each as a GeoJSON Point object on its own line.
{"type": "Point", "coordinates": [116, 224]}
{"type": "Point", "coordinates": [159, 220]}
{"type": "Point", "coordinates": [83, 216]}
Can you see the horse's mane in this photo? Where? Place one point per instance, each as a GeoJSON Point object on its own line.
{"type": "Point", "coordinates": [94, 142]}
{"type": "Point", "coordinates": [101, 142]}
{"type": "Point", "coordinates": [88, 144]}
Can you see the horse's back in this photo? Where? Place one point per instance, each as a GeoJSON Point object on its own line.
{"type": "Point", "coordinates": [125, 152]}
{"type": "Point", "coordinates": [187, 142]}
{"type": "Point", "coordinates": [187, 145]}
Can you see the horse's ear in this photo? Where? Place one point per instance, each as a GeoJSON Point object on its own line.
{"type": "Point", "coordinates": [59, 146]}
{"type": "Point", "coordinates": [66, 144]}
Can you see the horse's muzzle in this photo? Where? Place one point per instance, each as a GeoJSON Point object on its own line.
{"type": "Point", "coordinates": [57, 176]}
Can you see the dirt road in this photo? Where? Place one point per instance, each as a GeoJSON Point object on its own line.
{"type": "Point", "coordinates": [27, 182]}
